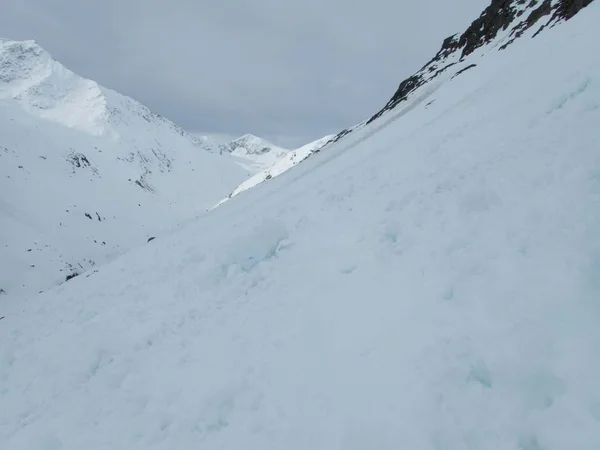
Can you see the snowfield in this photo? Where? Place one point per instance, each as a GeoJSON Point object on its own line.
{"type": "Point", "coordinates": [430, 281]}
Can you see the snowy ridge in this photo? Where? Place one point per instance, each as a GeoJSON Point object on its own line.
{"type": "Point", "coordinates": [253, 153]}
{"type": "Point", "coordinates": [284, 163]}
{"type": "Point", "coordinates": [86, 173]}
{"type": "Point", "coordinates": [44, 87]}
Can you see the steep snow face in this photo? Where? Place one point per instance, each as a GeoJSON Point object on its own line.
{"type": "Point", "coordinates": [29, 75]}
{"type": "Point", "coordinates": [253, 153]}
{"type": "Point", "coordinates": [86, 173]}
{"type": "Point", "coordinates": [500, 25]}
{"type": "Point", "coordinates": [286, 162]}
{"type": "Point", "coordinates": [429, 282]}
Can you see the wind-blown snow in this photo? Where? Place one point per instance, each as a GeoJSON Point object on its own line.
{"type": "Point", "coordinates": [87, 174]}
{"type": "Point", "coordinates": [428, 282]}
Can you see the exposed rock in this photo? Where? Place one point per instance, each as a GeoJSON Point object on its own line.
{"type": "Point", "coordinates": [496, 17]}
{"type": "Point", "coordinates": [568, 8]}
{"type": "Point", "coordinates": [71, 276]}
{"type": "Point", "coordinates": [499, 16]}
{"type": "Point", "coordinates": [464, 70]}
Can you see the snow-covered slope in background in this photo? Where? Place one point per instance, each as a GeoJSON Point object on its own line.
{"type": "Point", "coordinates": [253, 153]}
{"type": "Point", "coordinates": [86, 173]}
{"type": "Point", "coordinates": [429, 282]}
{"type": "Point", "coordinates": [286, 162]}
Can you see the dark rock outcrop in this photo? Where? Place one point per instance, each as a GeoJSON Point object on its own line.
{"type": "Point", "coordinates": [499, 16]}
{"type": "Point", "coordinates": [71, 276]}
{"type": "Point", "coordinates": [470, 66]}
{"type": "Point", "coordinates": [568, 8]}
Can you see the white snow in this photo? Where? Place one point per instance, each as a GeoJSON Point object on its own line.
{"type": "Point", "coordinates": [429, 282]}
{"type": "Point", "coordinates": [69, 147]}
{"type": "Point", "coordinates": [282, 164]}
{"type": "Point", "coordinates": [253, 153]}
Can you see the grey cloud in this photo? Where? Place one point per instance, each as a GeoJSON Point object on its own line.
{"type": "Point", "coordinates": [270, 67]}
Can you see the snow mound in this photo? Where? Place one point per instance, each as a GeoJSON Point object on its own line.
{"type": "Point", "coordinates": [44, 87]}
{"type": "Point", "coordinates": [500, 25]}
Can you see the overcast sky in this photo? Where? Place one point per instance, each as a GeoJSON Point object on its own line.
{"type": "Point", "coordinates": [288, 70]}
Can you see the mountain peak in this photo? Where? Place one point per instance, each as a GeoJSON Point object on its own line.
{"type": "Point", "coordinates": [45, 88]}
{"type": "Point", "coordinates": [87, 172]}
{"type": "Point", "coordinates": [253, 144]}
{"type": "Point", "coordinates": [249, 136]}
{"type": "Point", "coordinates": [498, 26]}
{"type": "Point", "coordinates": [19, 61]}
{"type": "Point", "coordinates": [253, 153]}
{"type": "Point", "coordinates": [283, 164]}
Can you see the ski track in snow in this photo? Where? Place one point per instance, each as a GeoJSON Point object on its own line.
{"type": "Point", "coordinates": [433, 286]}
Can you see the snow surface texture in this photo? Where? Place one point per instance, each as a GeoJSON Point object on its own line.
{"type": "Point", "coordinates": [428, 282]}
{"type": "Point", "coordinates": [253, 153]}
{"type": "Point", "coordinates": [87, 174]}
{"type": "Point", "coordinates": [285, 162]}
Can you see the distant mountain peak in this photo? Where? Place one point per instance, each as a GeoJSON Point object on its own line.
{"type": "Point", "coordinates": [252, 145]}
{"type": "Point", "coordinates": [249, 136]}
{"type": "Point", "coordinates": [45, 88]}
{"type": "Point", "coordinates": [86, 172]}
{"type": "Point", "coordinates": [498, 26]}
{"type": "Point", "coordinates": [283, 164]}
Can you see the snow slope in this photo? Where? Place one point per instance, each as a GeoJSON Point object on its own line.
{"type": "Point", "coordinates": [501, 24]}
{"type": "Point", "coordinates": [429, 282]}
{"type": "Point", "coordinates": [253, 153]}
{"type": "Point", "coordinates": [86, 173]}
{"type": "Point", "coordinates": [284, 163]}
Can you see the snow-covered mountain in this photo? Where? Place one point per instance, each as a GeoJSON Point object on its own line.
{"type": "Point", "coordinates": [429, 281]}
{"type": "Point", "coordinates": [253, 153]}
{"type": "Point", "coordinates": [86, 173]}
{"type": "Point", "coordinates": [501, 24]}
{"type": "Point", "coordinates": [282, 164]}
